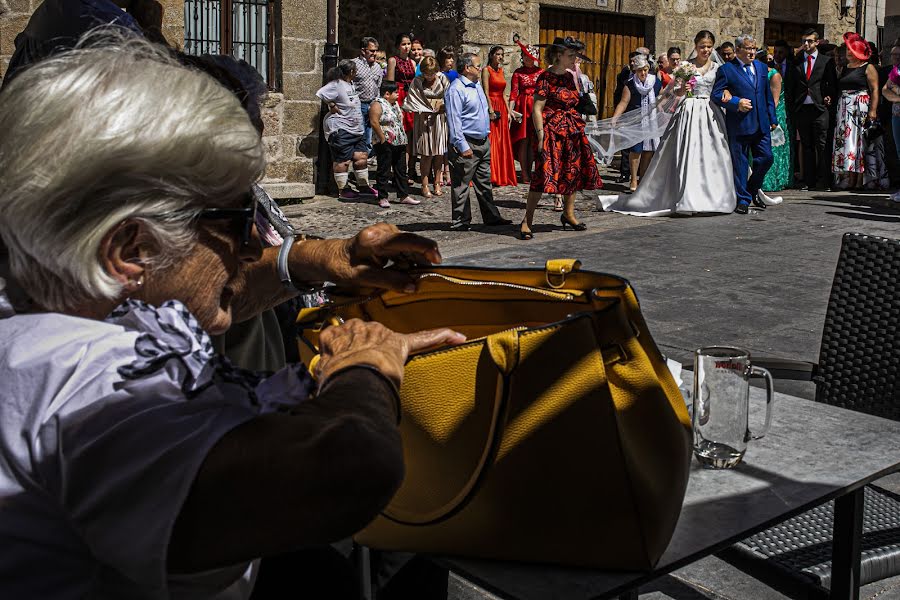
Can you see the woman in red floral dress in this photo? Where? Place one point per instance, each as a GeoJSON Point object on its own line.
{"type": "Point", "coordinates": [521, 100]}
{"type": "Point", "coordinates": [565, 163]}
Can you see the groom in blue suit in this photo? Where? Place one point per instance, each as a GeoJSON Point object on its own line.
{"type": "Point", "coordinates": [749, 119]}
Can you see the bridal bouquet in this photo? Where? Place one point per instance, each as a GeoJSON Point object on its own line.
{"type": "Point", "coordinates": [686, 73]}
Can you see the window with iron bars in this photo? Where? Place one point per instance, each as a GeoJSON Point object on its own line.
{"type": "Point", "coordinates": [240, 28]}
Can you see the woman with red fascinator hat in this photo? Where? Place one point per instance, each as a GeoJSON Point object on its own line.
{"type": "Point", "coordinates": [521, 103]}
{"type": "Point", "coordinates": [856, 110]}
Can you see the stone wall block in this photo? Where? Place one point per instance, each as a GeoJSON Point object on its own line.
{"type": "Point", "coordinates": [491, 11]}
{"type": "Point", "coordinates": [301, 118]}
{"type": "Point", "coordinates": [272, 147]}
{"type": "Point", "coordinates": [301, 86]}
{"type": "Point", "coordinates": [299, 56]}
{"type": "Point", "coordinates": [273, 100]}
{"type": "Point", "coordinates": [303, 19]}
{"type": "Point", "coordinates": [10, 27]}
{"type": "Point", "coordinates": [271, 119]}
{"type": "Point", "coordinates": [16, 6]}
{"type": "Point", "coordinates": [487, 33]}
{"type": "Point", "coordinates": [299, 170]}
{"type": "Point", "coordinates": [472, 8]}
{"type": "Point", "coordinates": [275, 171]}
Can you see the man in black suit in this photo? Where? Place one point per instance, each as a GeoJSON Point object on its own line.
{"type": "Point", "coordinates": [811, 87]}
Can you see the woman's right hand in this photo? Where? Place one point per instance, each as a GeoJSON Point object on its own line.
{"type": "Point", "coordinates": [359, 342]}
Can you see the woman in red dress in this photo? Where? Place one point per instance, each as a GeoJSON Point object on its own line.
{"type": "Point", "coordinates": [402, 70]}
{"type": "Point", "coordinates": [521, 100]}
{"type": "Point", "coordinates": [565, 163]}
{"type": "Point", "coordinates": [503, 167]}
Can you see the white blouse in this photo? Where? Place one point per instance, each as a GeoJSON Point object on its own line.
{"type": "Point", "coordinates": [103, 427]}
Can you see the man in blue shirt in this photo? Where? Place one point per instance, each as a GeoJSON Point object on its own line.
{"type": "Point", "coordinates": [470, 149]}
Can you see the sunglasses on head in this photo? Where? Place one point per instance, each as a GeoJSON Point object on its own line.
{"type": "Point", "coordinates": [242, 218]}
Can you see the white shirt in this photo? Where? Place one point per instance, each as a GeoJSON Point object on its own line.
{"type": "Point", "coordinates": [103, 426]}
{"type": "Point", "coordinates": [806, 57]}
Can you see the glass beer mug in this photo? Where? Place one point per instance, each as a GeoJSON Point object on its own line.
{"type": "Point", "coordinates": [722, 405]}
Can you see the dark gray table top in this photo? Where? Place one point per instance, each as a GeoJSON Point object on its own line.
{"type": "Point", "coordinates": [812, 453]}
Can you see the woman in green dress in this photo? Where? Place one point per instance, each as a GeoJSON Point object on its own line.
{"type": "Point", "coordinates": [779, 175]}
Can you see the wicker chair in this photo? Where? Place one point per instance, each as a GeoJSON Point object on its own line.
{"type": "Point", "coordinates": [858, 369]}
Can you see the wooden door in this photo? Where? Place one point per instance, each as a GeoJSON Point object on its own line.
{"type": "Point", "coordinates": [787, 31]}
{"type": "Point", "coordinates": [608, 39]}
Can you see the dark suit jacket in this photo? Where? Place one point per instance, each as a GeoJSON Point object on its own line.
{"type": "Point", "coordinates": [822, 82]}
{"type": "Point", "coordinates": [621, 80]}
{"type": "Point", "coordinates": [732, 77]}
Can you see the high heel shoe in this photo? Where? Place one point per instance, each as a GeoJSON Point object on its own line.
{"type": "Point", "coordinates": [564, 221]}
{"type": "Point", "coordinates": [524, 235]}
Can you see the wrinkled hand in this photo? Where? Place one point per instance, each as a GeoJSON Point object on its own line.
{"type": "Point", "coordinates": [745, 105]}
{"type": "Point", "coordinates": [359, 262]}
{"type": "Point", "coordinates": [360, 343]}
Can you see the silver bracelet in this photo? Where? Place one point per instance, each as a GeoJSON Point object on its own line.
{"type": "Point", "coordinates": [284, 274]}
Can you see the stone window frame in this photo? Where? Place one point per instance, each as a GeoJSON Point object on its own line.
{"type": "Point", "coordinates": [211, 26]}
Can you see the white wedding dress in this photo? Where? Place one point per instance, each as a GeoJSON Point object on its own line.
{"type": "Point", "coordinates": [691, 171]}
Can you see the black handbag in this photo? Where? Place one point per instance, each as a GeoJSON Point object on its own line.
{"type": "Point", "coordinates": [585, 106]}
{"type": "Point", "coordinates": [873, 130]}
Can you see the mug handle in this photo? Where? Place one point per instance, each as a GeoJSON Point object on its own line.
{"type": "Point", "coordinates": [770, 398]}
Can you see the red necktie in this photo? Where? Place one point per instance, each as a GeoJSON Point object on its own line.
{"type": "Point", "coordinates": [808, 66]}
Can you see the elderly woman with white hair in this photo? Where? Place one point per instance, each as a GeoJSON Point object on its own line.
{"type": "Point", "coordinates": [136, 463]}
{"type": "Point", "coordinates": [640, 94]}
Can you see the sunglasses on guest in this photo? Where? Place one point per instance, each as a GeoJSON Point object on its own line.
{"type": "Point", "coordinates": [242, 219]}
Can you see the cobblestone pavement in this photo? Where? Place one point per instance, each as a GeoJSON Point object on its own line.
{"type": "Point", "coordinates": [326, 216]}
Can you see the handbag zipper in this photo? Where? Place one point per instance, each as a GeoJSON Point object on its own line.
{"type": "Point", "coordinates": [515, 286]}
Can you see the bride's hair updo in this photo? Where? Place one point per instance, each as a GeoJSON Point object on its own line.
{"type": "Point", "coordinates": [704, 35]}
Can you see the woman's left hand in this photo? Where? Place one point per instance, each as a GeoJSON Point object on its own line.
{"type": "Point", "coordinates": [359, 262]}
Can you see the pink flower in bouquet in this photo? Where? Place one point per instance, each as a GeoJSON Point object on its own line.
{"type": "Point", "coordinates": [691, 84]}
{"type": "Point", "coordinates": [686, 74]}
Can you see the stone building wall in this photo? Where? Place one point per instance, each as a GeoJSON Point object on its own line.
{"type": "Point", "coordinates": [291, 114]}
{"type": "Point", "coordinates": [436, 22]}
{"type": "Point", "coordinates": [14, 15]}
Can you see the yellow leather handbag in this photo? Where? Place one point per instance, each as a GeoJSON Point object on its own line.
{"type": "Point", "coordinates": [556, 433]}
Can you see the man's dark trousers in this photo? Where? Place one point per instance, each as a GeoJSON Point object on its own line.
{"type": "Point", "coordinates": [813, 125]}
{"type": "Point", "coordinates": [477, 169]}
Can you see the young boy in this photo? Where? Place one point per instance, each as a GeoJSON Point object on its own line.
{"type": "Point", "coordinates": [389, 143]}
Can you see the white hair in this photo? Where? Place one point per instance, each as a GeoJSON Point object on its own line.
{"type": "Point", "coordinates": [739, 40]}
{"type": "Point", "coordinates": [639, 62]}
{"type": "Point", "coordinates": [114, 131]}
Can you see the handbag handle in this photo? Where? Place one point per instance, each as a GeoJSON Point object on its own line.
{"type": "Point", "coordinates": [503, 348]}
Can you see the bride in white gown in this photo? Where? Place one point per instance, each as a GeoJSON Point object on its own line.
{"type": "Point", "coordinates": [691, 171]}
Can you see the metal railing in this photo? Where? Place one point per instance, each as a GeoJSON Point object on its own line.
{"type": "Point", "coordinates": [241, 28]}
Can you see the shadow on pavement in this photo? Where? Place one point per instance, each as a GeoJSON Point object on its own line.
{"type": "Point", "coordinates": [868, 216]}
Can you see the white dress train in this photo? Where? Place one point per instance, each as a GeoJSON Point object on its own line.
{"type": "Point", "coordinates": [691, 171]}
